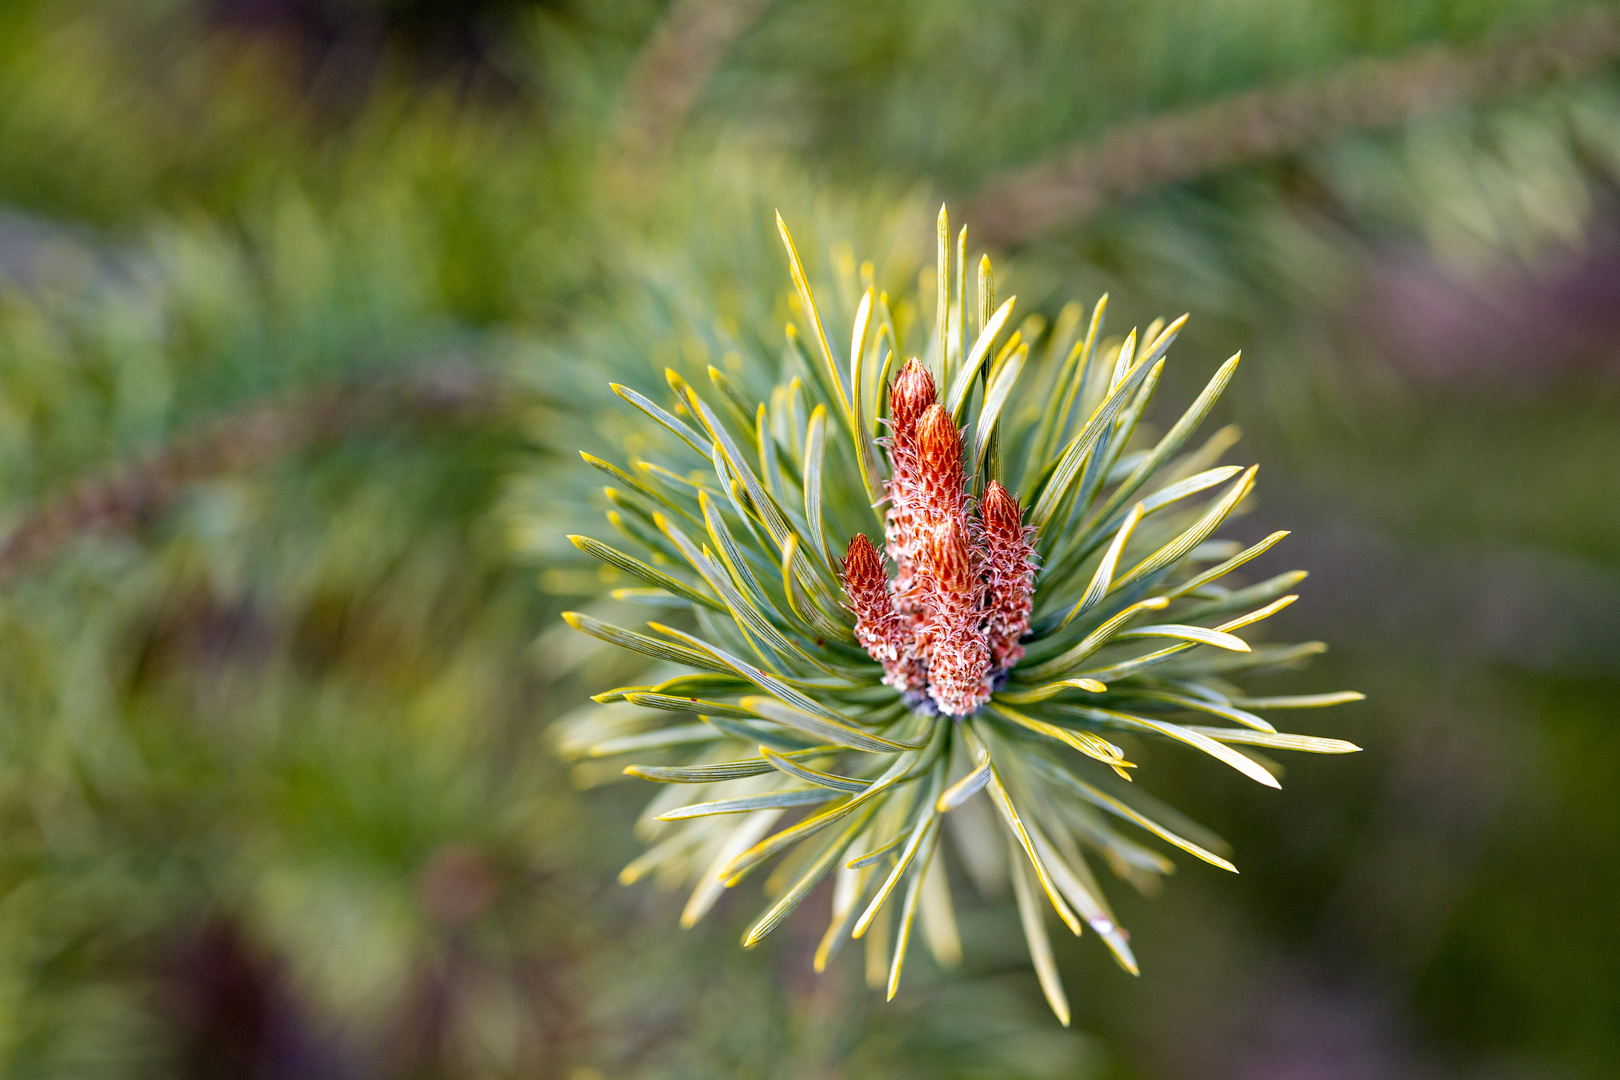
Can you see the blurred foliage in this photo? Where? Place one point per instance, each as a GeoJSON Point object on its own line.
{"type": "Point", "coordinates": [276, 794]}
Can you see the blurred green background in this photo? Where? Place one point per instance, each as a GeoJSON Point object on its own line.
{"type": "Point", "coordinates": [306, 305]}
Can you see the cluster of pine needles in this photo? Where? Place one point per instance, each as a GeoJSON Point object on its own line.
{"type": "Point", "coordinates": [783, 736]}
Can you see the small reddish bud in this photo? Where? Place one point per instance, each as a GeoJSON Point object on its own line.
{"type": "Point", "coordinates": [950, 568]}
{"type": "Point", "coordinates": [910, 396]}
{"type": "Point", "coordinates": [939, 469]}
{"type": "Point", "coordinates": [959, 657]}
{"type": "Point", "coordinates": [863, 566]}
{"type": "Point", "coordinates": [1010, 570]}
{"type": "Point", "coordinates": [878, 626]}
{"type": "Point", "coordinates": [939, 447]}
{"type": "Point", "coordinates": [1000, 511]}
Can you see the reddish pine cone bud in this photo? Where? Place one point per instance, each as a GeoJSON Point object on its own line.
{"type": "Point", "coordinates": [878, 627]}
{"type": "Point", "coordinates": [1000, 510]}
{"type": "Point", "coordinates": [959, 657]}
{"type": "Point", "coordinates": [909, 398]}
{"type": "Point", "coordinates": [941, 496]}
{"type": "Point", "coordinates": [912, 393]}
{"type": "Point", "coordinates": [1010, 570]}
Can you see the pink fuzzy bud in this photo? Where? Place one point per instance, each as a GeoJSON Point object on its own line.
{"type": "Point", "coordinates": [909, 398]}
{"type": "Point", "coordinates": [878, 627]}
{"type": "Point", "coordinates": [912, 394]}
{"type": "Point", "coordinates": [1010, 568]}
{"type": "Point", "coordinates": [959, 657]}
{"type": "Point", "coordinates": [941, 495]}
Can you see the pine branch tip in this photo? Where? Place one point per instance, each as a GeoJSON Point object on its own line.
{"type": "Point", "coordinates": [907, 643]}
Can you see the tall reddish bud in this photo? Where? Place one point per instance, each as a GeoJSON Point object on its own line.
{"type": "Point", "coordinates": [959, 656]}
{"type": "Point", "coordinates": [937, 499]}
{"type": "Point", "coordinates": [941, 495]}
{"type": "Point", "coordinates": [951, 584]}
{"type": "Point", "coordinates": [878, 626]}
{"type": "Point", "coordinates": [1009, 561]}
{"type": "Point", "coordinates": [909, 399]}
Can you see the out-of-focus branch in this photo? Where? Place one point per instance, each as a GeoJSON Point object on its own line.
{"type": "Point", "coordinates": [672, 70]}
{"type": "Point", "coordinates": [135, 493]}
{"type": "Point", "coordinates": [1022, 204]}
